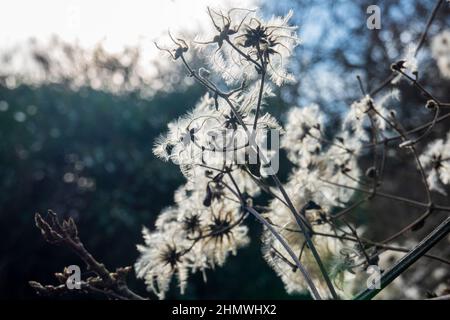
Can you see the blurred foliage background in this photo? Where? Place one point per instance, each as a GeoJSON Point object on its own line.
{"type": "Point", "coordinates": [76, 137]}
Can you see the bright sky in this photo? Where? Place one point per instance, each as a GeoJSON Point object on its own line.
{"type": "Point", "coordinates": [116, 23]}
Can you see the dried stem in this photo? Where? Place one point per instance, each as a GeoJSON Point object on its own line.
{"type": "Point", "coordinates": [112, 284]}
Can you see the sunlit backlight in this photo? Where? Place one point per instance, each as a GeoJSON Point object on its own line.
{"type": "Point", "coordinates": [115, 24]}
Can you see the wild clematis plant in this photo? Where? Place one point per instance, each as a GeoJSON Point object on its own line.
{"type": "Point", "coordinates": [227, 148]}
{"type": "Point", "coordinates": [221, 148]}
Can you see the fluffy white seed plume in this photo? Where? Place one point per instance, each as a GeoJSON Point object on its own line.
{"type": "Point", "coordinates": [161, 258]}
{"type": "Point", "coordinates": [200, 232]}
{"type": "Point", "coordinates": [436, 160]}
{"type": "Point", "coordinates": [408, 64]}
{"type": "Point", "coordinates": [253, 39]}
{"type": "Point", "coordinates": [440, 48]}
{"type": "Point", "coordinates": [303, 137]}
